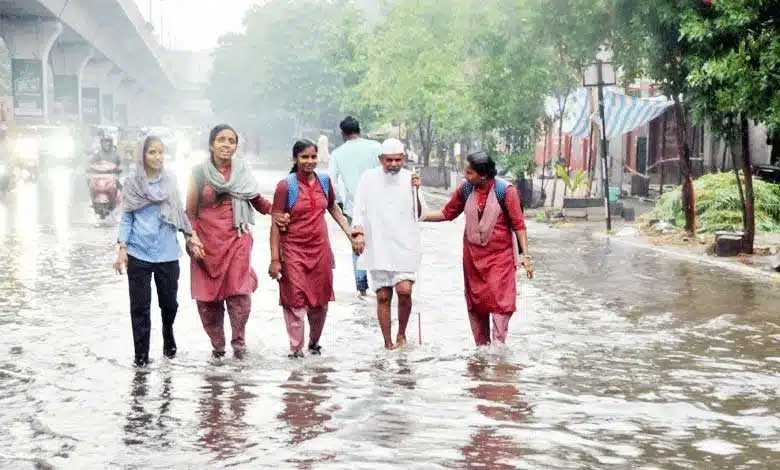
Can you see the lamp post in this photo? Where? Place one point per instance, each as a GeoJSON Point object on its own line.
{"type": "Point", "coordinates": [599, 75]}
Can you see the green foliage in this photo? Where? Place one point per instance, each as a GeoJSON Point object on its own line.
{"type": "Point", "coordinates": [572, 183]}
{"type": "Point", "coordinates": [518, 164]}
{"type": "Point", "coordinates": [718, 206]}
{"type": "Point", "coordinates": [290, 67]}
{"type": "Point", "coordinates": [734, 61]}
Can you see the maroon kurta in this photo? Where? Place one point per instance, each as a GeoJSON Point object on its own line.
{"type": "Point", "coordinates": [226, 271]}
{"type": "Point", "coordinates": [307, 261]}
{"type": "Point", "coordinates": [489, 271]}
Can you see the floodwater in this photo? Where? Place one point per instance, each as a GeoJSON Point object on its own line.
{"type": "Point", "coordinates": [619, 358]}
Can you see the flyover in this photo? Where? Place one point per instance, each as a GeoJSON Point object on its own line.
{"type": "Point", "coordinates": [90, 61]}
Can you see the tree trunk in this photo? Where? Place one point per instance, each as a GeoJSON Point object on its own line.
{"type": "Point", "coordinates": [723, 160]}
{"type": "Point", "coordinates": [663, 151]}
{"type": "Point", "coordinates": [543, 193]}
{"type": "Point", "coordinates": [749, 213]}
{"type": "Point", "coordinates": [425, 130]}
{"type": "Point", "coordinates": [739, 189]}
{"type": "Point", "coordinates": [684, 152]}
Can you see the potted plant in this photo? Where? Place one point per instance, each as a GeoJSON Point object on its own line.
{"type": "Point", "coordinates": [577, 202]}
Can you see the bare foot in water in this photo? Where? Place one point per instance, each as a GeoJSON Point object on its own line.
{"type": "Point", "coordinates": [389, 346]}
{"type": "Point", "coordinates": [400, 342]}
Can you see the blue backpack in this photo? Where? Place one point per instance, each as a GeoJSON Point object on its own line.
{"type": "Point", "coordinates": [292, 188]}
{"type": "Point", "coordinates": [499, 187]}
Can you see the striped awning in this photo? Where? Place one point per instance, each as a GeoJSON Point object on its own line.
{"type": "Point", "coordinates": [576, 118]}
{"type": "Point", "coordinates": [624, 113]}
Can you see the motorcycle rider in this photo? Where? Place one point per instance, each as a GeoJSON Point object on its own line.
{"type": "Point", "coordinates": [106, 153]}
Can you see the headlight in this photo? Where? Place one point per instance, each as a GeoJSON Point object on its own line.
{"type": "Point", "coordinates": [26, 147]}
{"type": "Point", "coordinates": [62, 147]}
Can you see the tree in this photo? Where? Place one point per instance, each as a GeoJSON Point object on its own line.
{"type": "Point", "coordinates": [415, 72]}
{"type": "Point", "coordinates": [647, 42]}
{"type": "Point", "coordinates": [510, 79]}
{"type": "Point", "coordinates": [292, 68]}
{"type": "Point", "coordinates": [734, 58]}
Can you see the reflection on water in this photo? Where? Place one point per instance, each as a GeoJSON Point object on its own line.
{"type": "Point", "coordinates": [221, 410]}
{"type": "Point", "coordinates": [500, 400]}
{"type": "Point", "coordinates": [618, 358]}
{"type": "Point", "coordinates": [149, 418]}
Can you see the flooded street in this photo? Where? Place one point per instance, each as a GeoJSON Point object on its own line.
{"type": "Point", "coordinates": [618, 358]}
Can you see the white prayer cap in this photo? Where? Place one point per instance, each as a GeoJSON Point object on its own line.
{"type": "Point", "coordinates": [392, 146]}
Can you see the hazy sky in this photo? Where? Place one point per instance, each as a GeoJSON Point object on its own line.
{"type": "Point", "coordinates": [195, 24]}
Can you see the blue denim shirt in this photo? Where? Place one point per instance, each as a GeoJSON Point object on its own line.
{"type": "Point", "coordinates": [147, 237]}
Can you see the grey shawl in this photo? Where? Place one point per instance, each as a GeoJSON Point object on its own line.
{"type": "Point", "coordinates": [242, 188]}
{"type": "Point", "coordinates": [138, 194]}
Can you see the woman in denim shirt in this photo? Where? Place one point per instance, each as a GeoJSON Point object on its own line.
{"type": "Point", "coordinates": [152, 213]}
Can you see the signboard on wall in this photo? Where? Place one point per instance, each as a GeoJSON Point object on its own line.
{"type": "Point", "coordinates": [90, 105]}
{"type": "Point", "coordinates": [66, 96]}
{"type": "Point", "coordinates": [27, 84]}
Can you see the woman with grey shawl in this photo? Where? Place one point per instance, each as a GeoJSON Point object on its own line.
{"type": "Point", "coordinates": [152, 213]}
{"type": "Point", "coordinates": [221, 201]}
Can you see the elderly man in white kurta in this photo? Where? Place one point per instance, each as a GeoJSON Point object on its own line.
{"type": "Point", "coordinates": [385, 225]}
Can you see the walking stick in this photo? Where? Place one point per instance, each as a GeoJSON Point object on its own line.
{"type": "Point", "coordinates": [419, 328]}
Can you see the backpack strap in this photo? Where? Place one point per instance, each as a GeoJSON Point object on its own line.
{"type": "Point", "coordinates": [500, 186]}
{"type": "Point", "coordinates": [325, 184]}
{"type": "Point", "coordinates": [293, 189]}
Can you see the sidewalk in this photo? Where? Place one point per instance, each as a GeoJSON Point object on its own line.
{"type": "Point", "coordinates": [694, 250]}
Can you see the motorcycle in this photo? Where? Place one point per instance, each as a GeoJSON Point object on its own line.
{"type": "Point", "coordinates": [104, 187]}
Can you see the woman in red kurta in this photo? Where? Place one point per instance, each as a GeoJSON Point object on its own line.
{"type": "Point", "coordinates": [220, 203]}
{"type": "Point", "coordinates": [489, 247]}
{"type": "Point", "coordinates": [301, 258]}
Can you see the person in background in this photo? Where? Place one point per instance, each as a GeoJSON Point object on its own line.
{"type": "Point", "coordinates": [348, 163]}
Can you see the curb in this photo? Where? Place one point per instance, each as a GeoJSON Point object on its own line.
{"type": "Point", "coordinates": [745, 270]}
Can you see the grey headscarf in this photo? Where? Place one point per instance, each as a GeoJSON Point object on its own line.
{"type": "Point", "coordinates": [241, 187]}
{"type": "Point", "coordinates": [138, 194]}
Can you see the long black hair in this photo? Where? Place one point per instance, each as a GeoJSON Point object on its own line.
{"type": "Point", "coordinates": [481, 163]}
{"type": "Point", "coordinates": [215, 132]}
{"type": "Point", "coordinates": [298, 147]}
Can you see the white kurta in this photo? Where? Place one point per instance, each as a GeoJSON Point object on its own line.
{"type": "Point", "coordinates": [385, 206]}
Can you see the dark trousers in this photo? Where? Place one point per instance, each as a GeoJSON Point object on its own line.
{"type": "Point", "coordinates": [166, 279]}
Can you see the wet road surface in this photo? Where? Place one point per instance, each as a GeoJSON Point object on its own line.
{"type": "Point", "coordinates": [619, 358]}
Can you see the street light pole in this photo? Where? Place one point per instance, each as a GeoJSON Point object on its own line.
{"type": "Point", "coordinates": [604, 161]}
{"type": "Point", "coordinates": [594, 77]}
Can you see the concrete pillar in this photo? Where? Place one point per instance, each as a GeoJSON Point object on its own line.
{"type": "Point", "coordinates": [123, 101]}
{"type": "Point", "coordinates": [95, 73]}
{"type": "Point", "coordinates": [68, 62]}
{"type": "Point", "coordinates": [108, 87]}
{"type": "Point", "coordinates": [29, 41]}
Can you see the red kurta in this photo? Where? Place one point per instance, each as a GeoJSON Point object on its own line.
{"type": "Point", "coordinates": [226, 271]}
{"type": "Point", "coordinates": [489, 271]}
{"type": "Point", "coordinates": [307, 260]}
